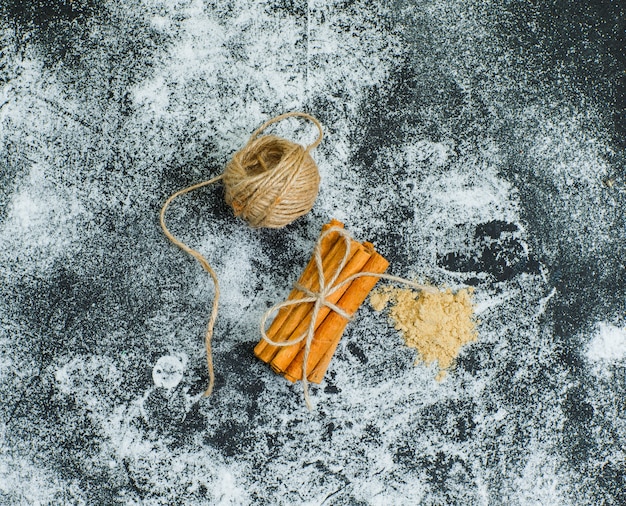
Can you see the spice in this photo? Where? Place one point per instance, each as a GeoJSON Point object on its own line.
{"type": "Point", "coordinates": [436, 323]}
{"type": "Point", "coordinates": [342, 259]}
{"type": "Point", "coordinates": [289, 317]}
{"type": "Point", "coordinates": [289, 356]}
{"type": "Point", "coordinates": [329, 333]}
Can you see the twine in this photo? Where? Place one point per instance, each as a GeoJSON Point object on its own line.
{"type": "Point", "coordinates": [270, 182]}
{"type": "Point", "coordinates": [320, 299]}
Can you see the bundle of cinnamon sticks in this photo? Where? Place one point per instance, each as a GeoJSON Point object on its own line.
{"type": "Point", "coordinates": [293, 321]}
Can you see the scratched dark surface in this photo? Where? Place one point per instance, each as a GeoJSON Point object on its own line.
{"type": "Point", "coordinates": [476, 143]}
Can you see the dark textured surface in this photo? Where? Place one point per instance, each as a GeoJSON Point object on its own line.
{"type": "Point", "coordinates": [476, 143]}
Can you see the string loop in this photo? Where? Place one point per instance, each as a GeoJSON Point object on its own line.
{"type": "Point", "coordinates": [294, 114]}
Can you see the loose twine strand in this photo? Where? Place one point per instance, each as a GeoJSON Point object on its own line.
{"type": "Point", "coordinates": [294, 114]}
{"type": "Point", "coordinates": [320, 299]}
{"type": "Point", "coordinates": [270, 182]}
{"type": "Point", "coordinates": [207, 267]}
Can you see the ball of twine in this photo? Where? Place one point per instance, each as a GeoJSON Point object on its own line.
{"type": "Point", "coordinates": [269, 182]}
{"type": "Point", "coordinates": [272, 181]}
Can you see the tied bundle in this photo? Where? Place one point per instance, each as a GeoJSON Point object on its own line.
{"type": "Point", "coordinates": [308, 326]}
{"type": "Point", "coordinates": [270, 182]}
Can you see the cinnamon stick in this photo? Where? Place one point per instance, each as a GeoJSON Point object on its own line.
{"type": "Point", "coordinates": [303, 312]}
{"type": "Point", "coordinates": [286, 354]}
{"type": "Point", "coordinates": [289, 316]}
{"type": "Point", "coordinates": [329, 333]}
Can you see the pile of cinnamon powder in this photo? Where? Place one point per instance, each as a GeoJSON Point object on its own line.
{"type": "Point", "coordinates": [436, 323]}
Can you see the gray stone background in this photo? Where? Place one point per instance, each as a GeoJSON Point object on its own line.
{"type": "Point", "coordinates": [475, 143]}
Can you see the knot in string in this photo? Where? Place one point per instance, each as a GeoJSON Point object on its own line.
{"type": "Point", "coordinates": [321, 299]}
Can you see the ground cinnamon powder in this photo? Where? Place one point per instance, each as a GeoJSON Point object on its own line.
{"type": "Point", "coordinates": [436, 323]}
